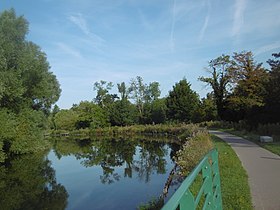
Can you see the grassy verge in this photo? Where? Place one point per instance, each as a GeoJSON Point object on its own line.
{"type": "Point", "coordinates": [273, 146]}
{"type": "Point", "coordinates": [234, 179]}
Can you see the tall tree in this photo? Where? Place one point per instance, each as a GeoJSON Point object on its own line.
{"type": "Point", "coordinates": [143, 96]}
{"type": "Point", "coordinates": [137, 89]}
{"type": "Point", "coordinates": [122, 113]}
{"type": "Point", "coordinates": [250, 79]}
{"type": "Point", "coordinates": [103, 97]}
{"type": "Point", "coordinates": [182, 102]}
{"type": "Point", "coordinates": [27, 87]}
{"type": "Point", "coordinates": [24, 71]}
{"type": "Point", "coordinates": [273, 90]}
{"type": "Point", "coordinates": [219, 80]}
{"type": "Point", "coordinates": [123, 90]}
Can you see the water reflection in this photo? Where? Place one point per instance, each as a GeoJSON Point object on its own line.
{"type": "Point", "coordinates": [82, 174]}
{"type": "Point", "coordinates": [28, 182]}
{"type": "Point", "coordinates": [137, 157]}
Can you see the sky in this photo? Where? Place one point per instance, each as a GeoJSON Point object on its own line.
{"type": "Point", "coordinates": [160, 40]}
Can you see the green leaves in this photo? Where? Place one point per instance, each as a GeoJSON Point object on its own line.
{"type": "Point", "coordinates": [27, 88]}
{"type": "Point", "coordinates": [24, 71]}
{"type": "Point", "coordinates": [182, 102]}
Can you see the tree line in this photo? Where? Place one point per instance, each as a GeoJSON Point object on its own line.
{"type": "Point", "coordinates": [135, 103]}
{"type": "Point", "coordinates": [242, 89]}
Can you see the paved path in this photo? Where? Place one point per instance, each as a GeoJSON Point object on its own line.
{"type": "Point", "coordinates": [263, 169]}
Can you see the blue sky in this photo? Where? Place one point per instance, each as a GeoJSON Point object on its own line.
{"type": "Point", "coordinates": [160, 40]}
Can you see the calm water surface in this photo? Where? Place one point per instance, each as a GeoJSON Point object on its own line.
{"type": "Point", "coordinates": [107, 174]}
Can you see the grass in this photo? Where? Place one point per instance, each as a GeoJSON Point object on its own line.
{"type": "Point", "coordinates": [273, 147]}
{"type": "Point", "coordinates": [234, 179]}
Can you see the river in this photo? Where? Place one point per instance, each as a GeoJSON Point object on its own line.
{"type": "Point", "coordinates": [85, 174]}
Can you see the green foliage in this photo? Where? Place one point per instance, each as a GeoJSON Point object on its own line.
{"type": "Point", "coordinates": [271, 111]}
{"type": "Point", "coordinates": [8, 121]}
{"type": "Point", "coordinates": [103, 98]}
{"type": "Point", "coordinates": [208, 109]}
{"type": "Point", "coordinates": [90, 115]}
{"type": "Point", "coordinates": [66, 119]}
{"type": "Point", "coordinates": [27, 88]}
{"type": "Point", "coordinates": [85, 115]}
{"type": "Point", "coordinates": [25, 77]}
{"type": "Point", "coordinates": [21, 133]}
{"type": "Point", "coordinates": [153, 204]}
{"type": "Point", "coordinates": [178, 131]}
{"type": "Point", "coordinates": [29, 135]}
{"type": "Point", "coordinates": [220, 79]}
{"type": "Point", "coordinates": [122, 113]}
{"type": "Point", "coordinates": [243, 89]}
{"type": "Point", "coordinates": [250, 79]}
{"type": "Point", "coordinates": [182, 102]}
{"type": "Point", "coordinates": [158, 111]}
{"type": "Point", "coordinates": [234, 179]}
{"type": "Point", "coordinates": [143, 95]}
{"type": "Point", "coordinates": [193, 150]}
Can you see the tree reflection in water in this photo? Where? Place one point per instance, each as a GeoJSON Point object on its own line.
{"type": "Point", "coordinates": [28, 182]}
{"type": "Point", "coordinates": [140, 158]}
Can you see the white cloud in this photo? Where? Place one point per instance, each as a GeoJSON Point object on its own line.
{"type": "Point", "coordinates": [69, 50]}
{"type": "Point", "coordinates": [79, 20]}
{"type": "Point", "coordinates": [172, 41]}
{"type": "Point", "coordinates": [205, 25]}
{"type": "Point", "coordinates": [267, 48]}
{"type": "Point", "coordinates": [238, 18]}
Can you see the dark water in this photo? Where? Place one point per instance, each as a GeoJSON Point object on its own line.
{"type": "Point", "coordinates": [107, 174]}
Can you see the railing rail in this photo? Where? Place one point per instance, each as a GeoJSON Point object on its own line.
{"type": "Point", "coordinates": [184, 199]}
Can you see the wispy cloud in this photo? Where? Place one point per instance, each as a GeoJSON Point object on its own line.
{"type": "Point", "coordinates": [172, 41]}
{"type": "Point", "coordinates": [206, 20]}
{"type": "Point", "coordinates": [267, 48]}
{"type": "Point", "coordinates": [79, 20]}
{"type": "Point", "coordinates": [69, 50]}
{"type": "Point", "coordinates": [238, 18]}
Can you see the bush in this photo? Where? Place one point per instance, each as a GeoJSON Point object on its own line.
{"type": "Point", "coordinates": [193, 150]}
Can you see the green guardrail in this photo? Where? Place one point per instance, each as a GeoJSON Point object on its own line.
{"type": "Point", "coordinates": [210, 190]}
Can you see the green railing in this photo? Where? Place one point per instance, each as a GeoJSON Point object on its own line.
{"type": "Point", "coordinates": [209, 194]}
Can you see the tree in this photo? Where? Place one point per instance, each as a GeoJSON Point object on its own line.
{"type": "Point", "coordinates": [137, 89]}
{"type": "Point", "coordinates": [182, 102]}
{"type": "Point", "coordinates": [158, 111]}
{"type": "Point", "coordinates": [27, 87]}
{"type": "Point", "coordinates": [90, 115]}
{"type": "Point", "coordinates": [123, 90]}
{"type": "Point", "coordinates": [220, 80]}
{"type": "Point", "coordinates": [122, 113]}
{"type": "Point", "coordinates": [66, 119]}
{"type": "Point", "coordinates": [103, 98]}
{"type": "Point", "coordinates": [249, 90]}
{"type": "Point", "coordinates": [24, 71]}
{"type": "Point", "coordinates": [143, 96]}
{"type": "Point", "coordinates": [272, 98]}
{"type": "Point", "coordinates": [208, 109]}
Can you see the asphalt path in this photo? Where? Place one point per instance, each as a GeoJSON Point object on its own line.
{"type": "Point", "coordinates": [263, 169]}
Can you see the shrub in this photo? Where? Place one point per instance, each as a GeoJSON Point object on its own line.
{"type": "Point", "coordinates": [193, 150]}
